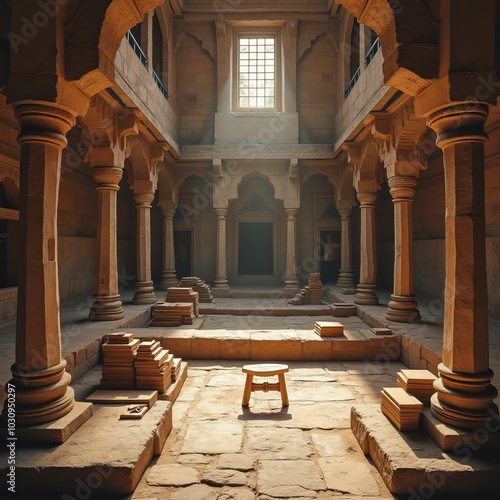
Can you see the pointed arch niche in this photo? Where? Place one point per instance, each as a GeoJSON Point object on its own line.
{"type": "Point", "coordinates": [256, 234]}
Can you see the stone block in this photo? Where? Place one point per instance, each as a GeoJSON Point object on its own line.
{"type": "Point", "coordinates": [344, 309]}
{"type": "Point", "coordinates": [179, 346]}
{"type": "Point", "coordinates": [269, 350]}
{"type": "Point", "coordinates": [206, 348]}
{"type": "Point", "coordinates": [317, 350]}
{"type": "Point", "coordinates": [235, 348]}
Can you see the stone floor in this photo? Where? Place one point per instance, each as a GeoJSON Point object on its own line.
{"type": "Point", "coordinates": [218, 450]}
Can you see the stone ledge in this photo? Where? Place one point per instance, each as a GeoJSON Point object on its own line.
{"type": "Point", "coordinates": [111, 454]}
{"type": "Point", "coordinates": [412, 463]}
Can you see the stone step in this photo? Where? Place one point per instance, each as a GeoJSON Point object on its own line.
{"type": "Point", "coordinates": [225, 307]}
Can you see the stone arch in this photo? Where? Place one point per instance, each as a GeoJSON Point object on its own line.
{"type": "Point", "coordinates": [11, 192]}
{"type": "Point", "coordinates": [94, 30]}
{"type": "Point", "coordinates": [237, 183]}
{"type": "Point", "coordinates": [408, 37]}
{"type": "Point", "coordinates": [327, 172]}
{"type": "Point", "coordinates": [181, 177]}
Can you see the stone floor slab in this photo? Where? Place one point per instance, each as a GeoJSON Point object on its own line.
{"type": "Point", "coordinates": [277, 443]}
{"type": "Point", "coordinates": [172, 475]}
{"type": "Point", "coordinates": [213, 437]}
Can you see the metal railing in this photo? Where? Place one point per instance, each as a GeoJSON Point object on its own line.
{"type": "Point", "coordinates": [353, 81]}
{"type": "Point", "coordinates": [137, 48]}
{"type": "Point", "coordinates": [373, 50]}
{"type": "Point", "coordinates": [160, 84]}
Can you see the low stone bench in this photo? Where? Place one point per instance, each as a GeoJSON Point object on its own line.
{"type": "Point", "coordinates": [344, 309]}
{"type": "Point", "coordinates": [265, 370]}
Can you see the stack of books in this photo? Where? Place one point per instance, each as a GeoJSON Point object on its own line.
{"type": "Point", "coordinates": [118, 361]}
{"type": "Point", "coordinates": [173, 314]}
{"type": "Point", "coordinates": [329, 328]}
{"type": "Point", "coordinates": [153, 366]}
{"type": "Point", "coordinates": [401, 408]}
{"type": "Point", "coordinates": [418, 383]}
{"type": "Point", "coordinates": [176, 369]}
{"type": "Point", "coordinates": [183, 294]}
{"type": "Point", "coordinates": [198, 285]}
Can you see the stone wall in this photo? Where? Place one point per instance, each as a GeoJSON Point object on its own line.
{"type": "Point", "coordinates": [316, 92]}
{"type": "Point", "coordinates": [195, 92]}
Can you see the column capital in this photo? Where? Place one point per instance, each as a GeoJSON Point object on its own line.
{"type": "Point", "coordinates": [291, 213]}
{"type": "Point", "coordinates": [107, 177]}
{"type": "Point", "coordinates": [367, 198]}
{"type": "Point", "coordinates": [345, 213]}
{"type": "Point", "coordinates": [144, 199]}
{"type": "Point", "coordinates": [221, 212]}
{"type": "Point", "coordinates": [402, 187]}
{"type": "Point", "coordinates": [461, 122]}
{"type": "Point", "coordinates": [168, 213]}
{"type": "Point", "coordinates": [44, 122]}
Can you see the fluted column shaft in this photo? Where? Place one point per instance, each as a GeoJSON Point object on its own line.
{"type": "Point", "coordinates": [42, 392]}
{"type": "Point", "coordinates": [144, 290]}
{"type": "Point", "coordinates": [346, 277]}
{"type": "Point", "coordinates": [403, 304]}
{"type": "Point", "coordinates": [107, 305]}
{"type": "Point", "coordinates": [221, 286]}
{"type": "Point", "coordinates": [464, 395]}
{"type": "Point", "coordinates": [168, 273]}
{"type": "Point", "coordinates": [291, 278]}
{"type": "Point", "coordinates": [365, 291]}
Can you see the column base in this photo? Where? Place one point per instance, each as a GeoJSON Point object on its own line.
{"type": "Point", "coordinates": [168, 280]}
{"type": "Point", "coordinates": [221, 287]}
{"type": "Point", "coordinates": [365, 294]}
{"type": "Point", "coordinates": [464, 400]}
{"type": "Point", "coordinates": [291, 287]}
{"type": "Point", "coordinates": [144, 293]}
{"type": "Point", "coordinates": [107, 308]}
{"type": "Point", "coordinates": [346, 278]}
{"type": "Point", "coordinates": [403, 309]}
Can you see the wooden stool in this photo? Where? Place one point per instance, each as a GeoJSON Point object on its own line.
{"type": "Point", "coordinates": [265, 370]}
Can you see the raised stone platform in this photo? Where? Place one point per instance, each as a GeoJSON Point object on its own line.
{"type": "Point", "coordinates": [105, 455]}
{"type": "Point", "coordinates": [263, 308]}
{"type": "Point", "coordinates": [412, 464]}
{"type": "Point", "coordinates": [278, 345]}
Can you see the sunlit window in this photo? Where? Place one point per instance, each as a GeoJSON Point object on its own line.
{"type": "Point", "coordinates": [256, 71]}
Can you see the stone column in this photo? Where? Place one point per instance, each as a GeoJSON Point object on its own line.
{"type": "Point", "coordinates": [107, 305]}
{"type": "Point", "coordinates": [291, 278]}
{"type": "Point", "coordinates": [42, 383]}
{"type": "Point", "coordinates": [346, 277]}
{"type": "Point", "coordinates": [168, 273]}
{"type": "Point", "coordinates": [221, 286]}
{"type": "Point", "coordinates": [144, 289]}
{"type": "Point", "coordinates": [464, 395]}
{"type": "Point", "coordinates": [365, 291]}
{"type": "Point", "coordinates": [403, 304]}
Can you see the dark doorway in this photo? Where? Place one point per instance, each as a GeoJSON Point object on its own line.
{"type": "Point", "coordinates": [329, 255]}
{"type": "Point", "coordinates": [255, 249]}
{"type": "Point", "coordinates": [183, 248]}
